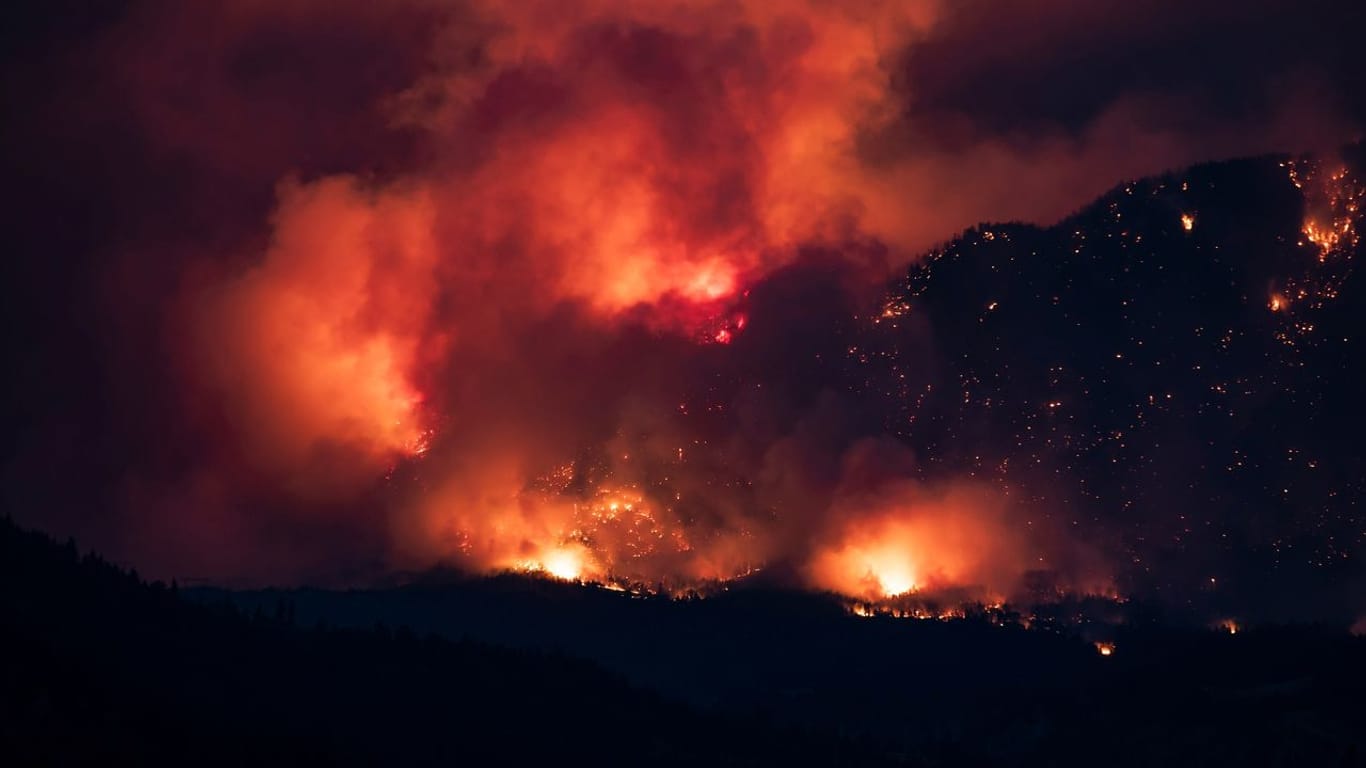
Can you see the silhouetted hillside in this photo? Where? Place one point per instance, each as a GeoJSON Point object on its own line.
{"type": "Point", "coordinates": [1174, 372]}
{"type": "Point", "coordinates": [100, 667]}
{"type": "Point", "coordinates": [963, 691]}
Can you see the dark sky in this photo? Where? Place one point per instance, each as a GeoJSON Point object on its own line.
{"type": "Point", "coordinates": [315, 290]}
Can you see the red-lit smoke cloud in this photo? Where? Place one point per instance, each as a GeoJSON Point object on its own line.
{"type": "Point", "coordinates": [449, 278]}
{"type": "Point", "coordinates": [320, 343]}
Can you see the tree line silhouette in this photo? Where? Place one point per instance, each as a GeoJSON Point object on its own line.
{"type": "Point", "coordinates": [101, 667]}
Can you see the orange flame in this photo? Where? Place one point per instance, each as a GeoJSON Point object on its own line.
{"type": "Point", "coordinates": [568, 563]}
{"type": "Point", "coordinates": [910, 541]}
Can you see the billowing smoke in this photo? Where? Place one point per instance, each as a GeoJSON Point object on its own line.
{"type": "Point", "coordinates": [564, 286]}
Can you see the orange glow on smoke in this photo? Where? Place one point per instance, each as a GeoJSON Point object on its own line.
{"type": "Point", "coordinates": [600, 213]}
{"type": "Point", "coordinates": [603, 170]}
{"type": "Point", "coordinates": [563, 563]}
{"type": "Point", "coordinates": [610, 533]}
{"type": "Point", "coordinates": [317, 345]}
{"type": "Point", "coordinates": [881, 567]}
{"type": "Point", "coordinates": [913, 541]}
{"type": "Point", "coordinates": [633, 162]}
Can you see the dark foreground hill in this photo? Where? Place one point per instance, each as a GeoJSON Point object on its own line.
{"type": "Point", "coordinates": [101, 668]}
{"type": "Point", "coordinates": [960, 692]}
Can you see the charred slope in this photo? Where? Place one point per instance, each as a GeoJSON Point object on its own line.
{"type": "Point", "coordinates": [1174, 370]}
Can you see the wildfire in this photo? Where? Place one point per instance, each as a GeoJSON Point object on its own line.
{"type": "Point", "coordinates": [564, 564]}
{"type": "Point", "coordinates": [890, 579]}
{"type": "Point", "coordinates": [1278, 302]}
{"type": "Point", "coordinates": [1188, 221]}
{"type": "Point", "coordinates": [1105, 649]}
{"type": "Point", "coordinates": [1325, 237]}
{"type": "Point", "coordinates": [1228, 625]}
{"type": "Point", "coordinates": [1332, 202]}
{"type": "Point", "coordinates": [724, 329]}
{"type": "Point", "coordinates": [607, 533]}
{"type": "Point", "coordinates": [1334, 206]}
{"type": "Point", "coordinates": [521, 292]}
{"type": "Point", "coordinates": [894, 576]}
{"type": "Point", "coordinates": [872, 569]}
{"type": "Point", "coordinates": [911, 542]}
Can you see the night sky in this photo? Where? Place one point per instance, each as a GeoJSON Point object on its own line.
{"type": "Point", "coordinates": [673, 294]}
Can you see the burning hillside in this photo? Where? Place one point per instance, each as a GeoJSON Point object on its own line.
{"type": "Point", "coordinates": [602, 292]}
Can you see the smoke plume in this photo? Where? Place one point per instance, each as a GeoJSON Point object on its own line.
{"type": "Point", "coordinates": [561, 287]}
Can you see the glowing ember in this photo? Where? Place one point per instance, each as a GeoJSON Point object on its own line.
{"type": "Point", "coordinates": [1187, 221]}
{"type": "Point", "coordinates": [723, 330]}
{"type": "Point", "coordinates": [1105, 649]}
{"type": "Point", "coordinates": [1325, 237]}
{"type": "Point", "coordinates": [1332, 203]}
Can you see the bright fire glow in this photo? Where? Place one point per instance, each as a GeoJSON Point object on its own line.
{"type": "Point", "coordinates": [911, 542]}
{"type": "Point", "coordinates": [571, 562]}
{"type": "Point", "coordinates": [891, 571]}
{"type": "Point", "coordinates": [1187, 221]}
{"type": "Point", "coordinates": [871, 568]}
{"type": "Point", "coordinates": [564, 564]}
{"type": "Point", "coordinates": [1105, 649]}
